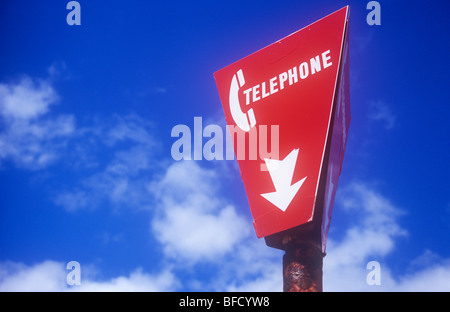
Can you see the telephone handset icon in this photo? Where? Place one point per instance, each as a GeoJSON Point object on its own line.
{"type": "Point", "coordinates": [245, 121]}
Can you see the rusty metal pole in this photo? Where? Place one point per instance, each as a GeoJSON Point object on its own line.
{"type": "Point", "coordinates": [302, 264]}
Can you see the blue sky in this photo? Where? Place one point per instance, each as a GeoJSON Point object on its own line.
{"type": "Point", "coordinates": [86, 172]}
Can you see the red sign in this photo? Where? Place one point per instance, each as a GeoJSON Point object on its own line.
{"type": "Point", "coordinates": [293, 84]}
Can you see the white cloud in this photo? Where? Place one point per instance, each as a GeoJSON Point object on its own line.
{"type": "Point", "coordinates": [50, 276]}
{"type": "Point", "coordinates": [253, 267]}
{"type": "Point", "coordinates": [371, 237]}
{"type": "Point", "coordinates": [137, 281]}
{"type": "Point", "coordinates": [196, 225]}
{"type": "Point", "coordinates": [269, 279]}
{"type": "Point", "coordinates": [247, 264]}
{"type": "Point", "coordinates": [28, 136]}
{"type": "Point", "coordinates": [197, 235]}
{"type": "Point", "coordinates": [192, 221]}
{"type": "Point", "coordinates": [26, 99]}
{"type": "Point", "coordinates": [374, 235]}
{"type": "Point", "coordinates": [374, 226]}
{"type": "Point", "coordinates": [45, 276]}
{"type": "Point", "coordinates": [432, 279]}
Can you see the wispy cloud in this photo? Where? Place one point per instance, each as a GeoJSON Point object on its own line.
{"type": "Point", "coordinates": [114, 154]}
{"type": "Point", "coordinates": [123, 152]}
{"type": "Point", "coordinates": [380, 112]}
{"type": "Point", "coordinates": [29, 136]}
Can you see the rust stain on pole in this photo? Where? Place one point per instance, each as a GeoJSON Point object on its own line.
{"type": "Point", "coordinates": [302, 266]}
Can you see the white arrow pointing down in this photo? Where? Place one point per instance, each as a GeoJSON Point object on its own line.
{"type": "Point", "coordinates": [281, 172]}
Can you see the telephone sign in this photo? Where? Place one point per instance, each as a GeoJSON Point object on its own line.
{"type": "Point", "coordinates": [298, 84]}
